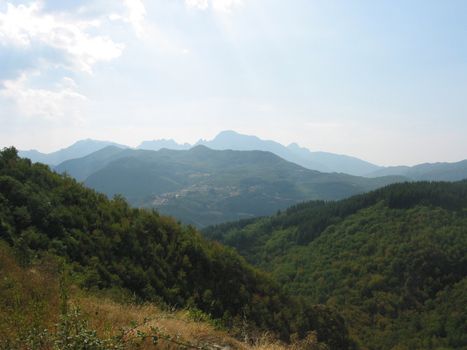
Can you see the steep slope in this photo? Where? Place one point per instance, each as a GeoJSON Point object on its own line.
{"type": "Point", "coordinates": [203, 186]}
{"type": "Point", "coordinates": [391, 260]}
{"type": "Point", "coordinates": [429, 172]}
{"type": "Point", "coordinates": [107, 244]}
{"type": "Point", "coordinates": [77, 150]}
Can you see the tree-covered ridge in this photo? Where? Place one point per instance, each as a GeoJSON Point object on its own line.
{"type": "Point", "coordinates": [393, 261]}
{"type": "Point", "coordinates": [108, 244]}
{"type": "Point", "coordinates": [302, 223]}
{"type": "Point", "coordinates": [202, 186]}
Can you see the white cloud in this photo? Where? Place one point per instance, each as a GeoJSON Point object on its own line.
{"type": "Point", "coordinates": [223, 6]}
{"type": "Point", "coordinates": [136, 15]}
{"type": "Point", "coordinates": [226, 6]}
{"type": "Point", "coordinates": [74, 44]}
{"type": "Point", "coordinates": [54, 105]}
{"type": "Point", "coordinates": [198, 4]}
{"type": "Point", "coordinates": [27, 25]}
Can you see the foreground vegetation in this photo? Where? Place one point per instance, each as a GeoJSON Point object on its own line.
{"type": "Point", "coordinates": [40, 310]}
{"type": "Point", "coordinates": [107, 245]}
{"type": "Point", "coordinates": [393, 261]}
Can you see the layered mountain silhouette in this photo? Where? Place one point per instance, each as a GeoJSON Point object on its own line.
{"type": "Point", "coordinates": [77, 150]}
{"type": "Point", "coordinates": [432, 172]}
{"type": "Point", "coordinates": [321, 161]}
{"type": "Point", "coordinates": [156, 145]}
{"type": "Point", "coordinates": [202, 186]}
{"type": "Point", "coordinates": [231, 140]}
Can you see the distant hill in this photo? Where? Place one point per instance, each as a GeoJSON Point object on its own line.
{"type": "Point", "coordinates": [202, 186]}
{"type": "Point", "coordinates": [77, 150]}
{"type": "Point", "coordinates": [81, 168]}
{"type": "Point", "coordinates": [231, 140]}
{"type": "Point", "coordinates": [429, 172]}
{"type": "Point", "coordinates": [393, 261]}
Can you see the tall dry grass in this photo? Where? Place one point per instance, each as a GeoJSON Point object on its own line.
{"type": "Point", "coordinates": [30, 302]}
{"type": "Point", "coordinates": [109, 317]}
{"type": "Point", "coordinates": [29, 299]}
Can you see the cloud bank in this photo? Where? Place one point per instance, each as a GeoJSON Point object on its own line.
{"type": "Point", "coordinates": [41, 39]}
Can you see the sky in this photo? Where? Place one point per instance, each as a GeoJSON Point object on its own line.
{"type": "Point", "coordinates": [385, 81]}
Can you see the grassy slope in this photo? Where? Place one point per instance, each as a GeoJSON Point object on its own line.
{"type": "Point", "coordinates": [30, 304]}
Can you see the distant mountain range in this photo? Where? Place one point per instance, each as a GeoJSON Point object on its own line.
{"type": "Point", "coordinates": [77, 150]}
{"type": "Point", "coordinates": [202, 186]}
{"type": "Point", "coordinates": [156, 145]}
{"type": "Point", "coordinates": [431, 172]}
{"type": "Point", "coordinates": [320, 161]}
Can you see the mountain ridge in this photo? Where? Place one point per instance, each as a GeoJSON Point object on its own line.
{"type": "Point", "coordinates": [314, 160]}
{"type": "Point", "coordinates": [440, 171]}
{"type": "Point", "coordinates": [78, 149]}
{"type": "Point", "coordinates": [320, 161]}
{"type": "Point", "coordinates": [204, 186]}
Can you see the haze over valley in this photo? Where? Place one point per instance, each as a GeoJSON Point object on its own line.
{"type": "Point", "coordinates": [228, 178]}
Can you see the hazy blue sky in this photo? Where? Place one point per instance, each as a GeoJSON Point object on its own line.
{"type": "Point", "coordinates": [382, 80]}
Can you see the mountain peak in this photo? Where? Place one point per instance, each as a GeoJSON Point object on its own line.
{"type": "Point", "coordinates": [234, 135]}
{"type": "Point", "coordinates": [227, 133]}
{"type": "Point", "coordinates": [78, 149]}
{"type": "Point", "coordinates": [155, 145]}
{"type": "Point", "coordinates": [200, 149]}
{"type": "Point", "coordinates": [294, 146]}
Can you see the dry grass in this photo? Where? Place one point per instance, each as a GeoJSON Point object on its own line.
{"type": "Point", "coordinates": [109, 317]}
{"type": "Point", "coordinates": [30, 297]}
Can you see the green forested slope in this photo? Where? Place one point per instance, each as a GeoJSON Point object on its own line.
{"type": "Point", "coordinates": [108, 244]}
{"type": "Point", "coordinates": [202, 186]}
{"type": "Point", "coordinates": [393, 261]}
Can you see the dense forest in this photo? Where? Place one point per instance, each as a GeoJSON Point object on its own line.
{"type": "Point", "coordinates": [106, 244]}
{"type": "Point", "coordinates": [393, 261]}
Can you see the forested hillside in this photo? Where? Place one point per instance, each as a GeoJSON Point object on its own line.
{"type": "Point", "coordinates": [394, 261]}
{"type": "Point", "coordinates": [107, 244]}
{"type": "Point", "coordinates": [202, 186]}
